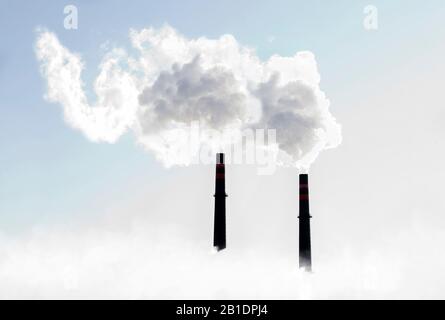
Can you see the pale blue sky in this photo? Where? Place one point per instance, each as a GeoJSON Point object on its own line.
{"type": "Point", "coordinates": [47, 168]}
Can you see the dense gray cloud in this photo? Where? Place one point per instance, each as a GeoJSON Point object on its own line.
{"type": "Point", "coordinates": [294, 110]}
{"type": "Point", "coordinates": [188, 93]}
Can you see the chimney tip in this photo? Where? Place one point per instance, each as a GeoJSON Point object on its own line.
{"type": "Point", "coordinates": [220, 158]}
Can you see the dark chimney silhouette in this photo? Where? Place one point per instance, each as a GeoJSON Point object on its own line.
{"type": "Point", "coordinates": [305, 225]}
{"type": "Point", "coordinates": [219, 234]}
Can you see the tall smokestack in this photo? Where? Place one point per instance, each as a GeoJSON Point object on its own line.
{"type": "Point", "coordinates": [305, 226]}
{"type": "Point", "coordinates": [219, 235]}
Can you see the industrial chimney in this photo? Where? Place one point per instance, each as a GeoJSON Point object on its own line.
{"type": "Point", "coordinates": [305, 227]}
{"type": "Point", "coordinates": [219, 234]}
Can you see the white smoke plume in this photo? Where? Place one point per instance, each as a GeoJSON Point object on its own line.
{"type": "Point", "coordinates": [116, 92]}
{"type": "Point", "coordinates": [174, 82]}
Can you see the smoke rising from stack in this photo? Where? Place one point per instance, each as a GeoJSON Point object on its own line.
{"type": "Point", "coordinates": [173, 82]}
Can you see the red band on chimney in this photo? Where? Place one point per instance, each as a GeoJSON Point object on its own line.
{"type": "Point", "coordinates": [304, 197]}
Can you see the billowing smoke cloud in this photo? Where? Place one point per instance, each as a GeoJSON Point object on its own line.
{"type": "Point", "coordinates": [175, 82]}
{"type": "Point", "coordinates": [189, 93]}
{"type": "Point", "coordinates": [116, 92]}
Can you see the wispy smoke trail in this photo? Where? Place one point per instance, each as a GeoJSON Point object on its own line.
{"type": "Point", "coordinates": [174, 82]}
